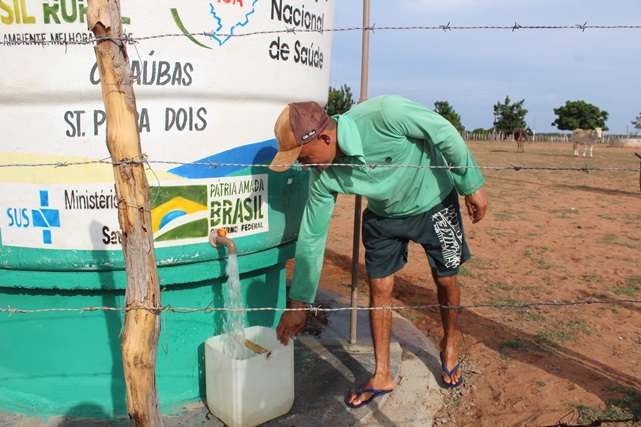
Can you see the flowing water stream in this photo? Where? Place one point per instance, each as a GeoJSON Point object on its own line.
{"type": "Point", "coordinates": [234, 323]}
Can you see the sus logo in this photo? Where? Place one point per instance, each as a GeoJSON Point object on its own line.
{"type": "Point", "coordinates": [230, 14]}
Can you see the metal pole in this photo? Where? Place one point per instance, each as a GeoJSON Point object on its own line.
{"type": "Point", "coordinates": [358, 199]}
{"type": "Point", "coordinates": [365, 52]}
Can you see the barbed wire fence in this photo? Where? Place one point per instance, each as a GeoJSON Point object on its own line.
{"type": "Point", "coordinates": [213, 165]}
{"type": "Point", "coordinates": [129, 38]}
{"type": "Point", "coordinates": [14, 41]}
{"type": "Point", "coordinates": [316, 310]}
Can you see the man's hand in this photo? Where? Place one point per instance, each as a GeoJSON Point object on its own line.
{"type": "Point", "coordinates": [291, 322]}
{"type": "Point", "coordinates": [477, 205]}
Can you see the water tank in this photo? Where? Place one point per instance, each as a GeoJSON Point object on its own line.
{"type": "Point", "coordinates": [210, 80]}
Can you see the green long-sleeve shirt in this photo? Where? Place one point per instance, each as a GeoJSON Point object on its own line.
{"type": "Point", "coordinates": [386, 130]}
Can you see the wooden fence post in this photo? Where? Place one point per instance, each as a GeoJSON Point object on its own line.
{"type": "Point", "coordinates": [142, 297]}
{"type": "Point", "coordinates": [639, 156]}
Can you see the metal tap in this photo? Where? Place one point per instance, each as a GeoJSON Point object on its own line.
{"type": "Point", "coordinates": [218, 237]}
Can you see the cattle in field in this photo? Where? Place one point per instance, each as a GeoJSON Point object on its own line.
{"type": "Point", "coordinates": [587, 138]}
{"type": "Point", "coordinates": [520, 136]}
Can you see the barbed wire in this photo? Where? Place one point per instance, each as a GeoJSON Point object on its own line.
{"type": "Point", "coordinates": [318, 309]}
{"type": "Point", "coordinates": [128, 38]}
{"type": "Point", "coordinates": [214, 165]}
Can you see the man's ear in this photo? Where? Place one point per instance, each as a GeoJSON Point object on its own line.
{"type": "Point", "coordinates": [325, 138]}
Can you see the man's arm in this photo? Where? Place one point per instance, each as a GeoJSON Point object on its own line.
{"type": "Point", "coordinates": [308, 263]}
{"type": "Point", "coordinates": [310, 245]}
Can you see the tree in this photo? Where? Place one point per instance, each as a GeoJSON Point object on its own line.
{"type": "Point", "coordinates": [339, 100]}
{"type": "Point", "coordinates": [509, 116]}
{"type": "Point", "coordinates": [445, 110]}
{"type": "Point", "coordinates": [637, 123]}
{"type": "Point", "coordinates": [579, 115]}
{"type": "Point", "coordinates": [481, 130]}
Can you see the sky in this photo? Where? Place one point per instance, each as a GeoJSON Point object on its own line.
{"type": "Point", "coordinates": [475, 69]}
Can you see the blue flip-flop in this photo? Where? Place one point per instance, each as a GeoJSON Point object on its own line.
{"type": "Point", "coordinates": [375, 393]}
{"type": "Point", "coordinates": [449, 373]}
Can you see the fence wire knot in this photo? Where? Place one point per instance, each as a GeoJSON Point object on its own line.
{"type": "Point", "coordinates": [208, 310]}
{"type": "Point", "coordinates": [516, 26]}
{"type": "Point", "coordinates": [12, 310]}
{"type": "Point", "coordinates": [582, 27]}
{"type": "Point", "coordinates": [128, 38]}
{"type": "Point", "coordinates": [445, 28]}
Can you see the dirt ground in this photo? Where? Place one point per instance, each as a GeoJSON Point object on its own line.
{"type": "Point", "coordinates": [551, 329]}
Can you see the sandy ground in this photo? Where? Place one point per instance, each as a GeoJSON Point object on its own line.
{"type": "Point", "coordinates": [547, 336]}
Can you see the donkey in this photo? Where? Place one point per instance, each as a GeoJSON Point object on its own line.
{"type": "Point", "coordinates": [520, 136]}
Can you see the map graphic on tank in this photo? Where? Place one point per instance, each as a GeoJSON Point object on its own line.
{"type": "Point", "coordinates": [229, 15]}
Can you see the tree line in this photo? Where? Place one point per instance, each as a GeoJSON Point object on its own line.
{"type": "Point", "coordinates": [508, 115]}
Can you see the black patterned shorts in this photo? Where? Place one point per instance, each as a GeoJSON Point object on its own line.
{"type": "Point", "coordinates": [439, 231]}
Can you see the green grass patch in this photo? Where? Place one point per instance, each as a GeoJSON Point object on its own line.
{"type": "Point", "coordinates": [614, 239]}
{"type": "Point", "coordinates": [602, 295]}
{"type": "Point", "coordinates": [633, 286]}
{"type": "Point", "coordinates": [465, 272]}
{"type": "Point", "coordinates": [508, 304]}
{"type": "Point", "coordinates": [502, 300]}
{"type": "Point", "coordinates": [412, 316]}
{"type": "Point", "coordinates": [564, 212]}
{"type": "Point", "coordinates": [535, 317]}
{"type": "Point", "coordinates": [501, 285]}
{"type": "Point", "coordinates": [632, 219]}
{"type": "Point", "coordinates": [553, 337]}
{"type": "Point", "coordinates": [588, 277]}
{"type": "Point", "coordinates": [503, 216]}
{"type": "Point", "coordinates": [515, 345]}
{"type": "Point", "coordinates": [563, 332]}
{"type": "Point", "coordinates": [579, 326]}
{"type": "Point", "coordinates": [588, 414]}
{"type": "Point", "coordinates": [628, 399]}
{"type": "Point", "coordinates": [624, 406]}
{"type": "Point", "coordinates": [543, 265]}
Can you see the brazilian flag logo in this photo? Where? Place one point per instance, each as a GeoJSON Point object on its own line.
{"type": "Point", "coordinates": [179, 212]}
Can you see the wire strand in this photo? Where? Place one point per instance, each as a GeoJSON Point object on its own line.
{"type": "Point", "coordinates": [128, 38]}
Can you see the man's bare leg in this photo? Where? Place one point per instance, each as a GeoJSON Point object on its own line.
{"type": "Point", "coordinates": [381, 324]}
{"type": "Point", "coordinates": [449, 294]}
